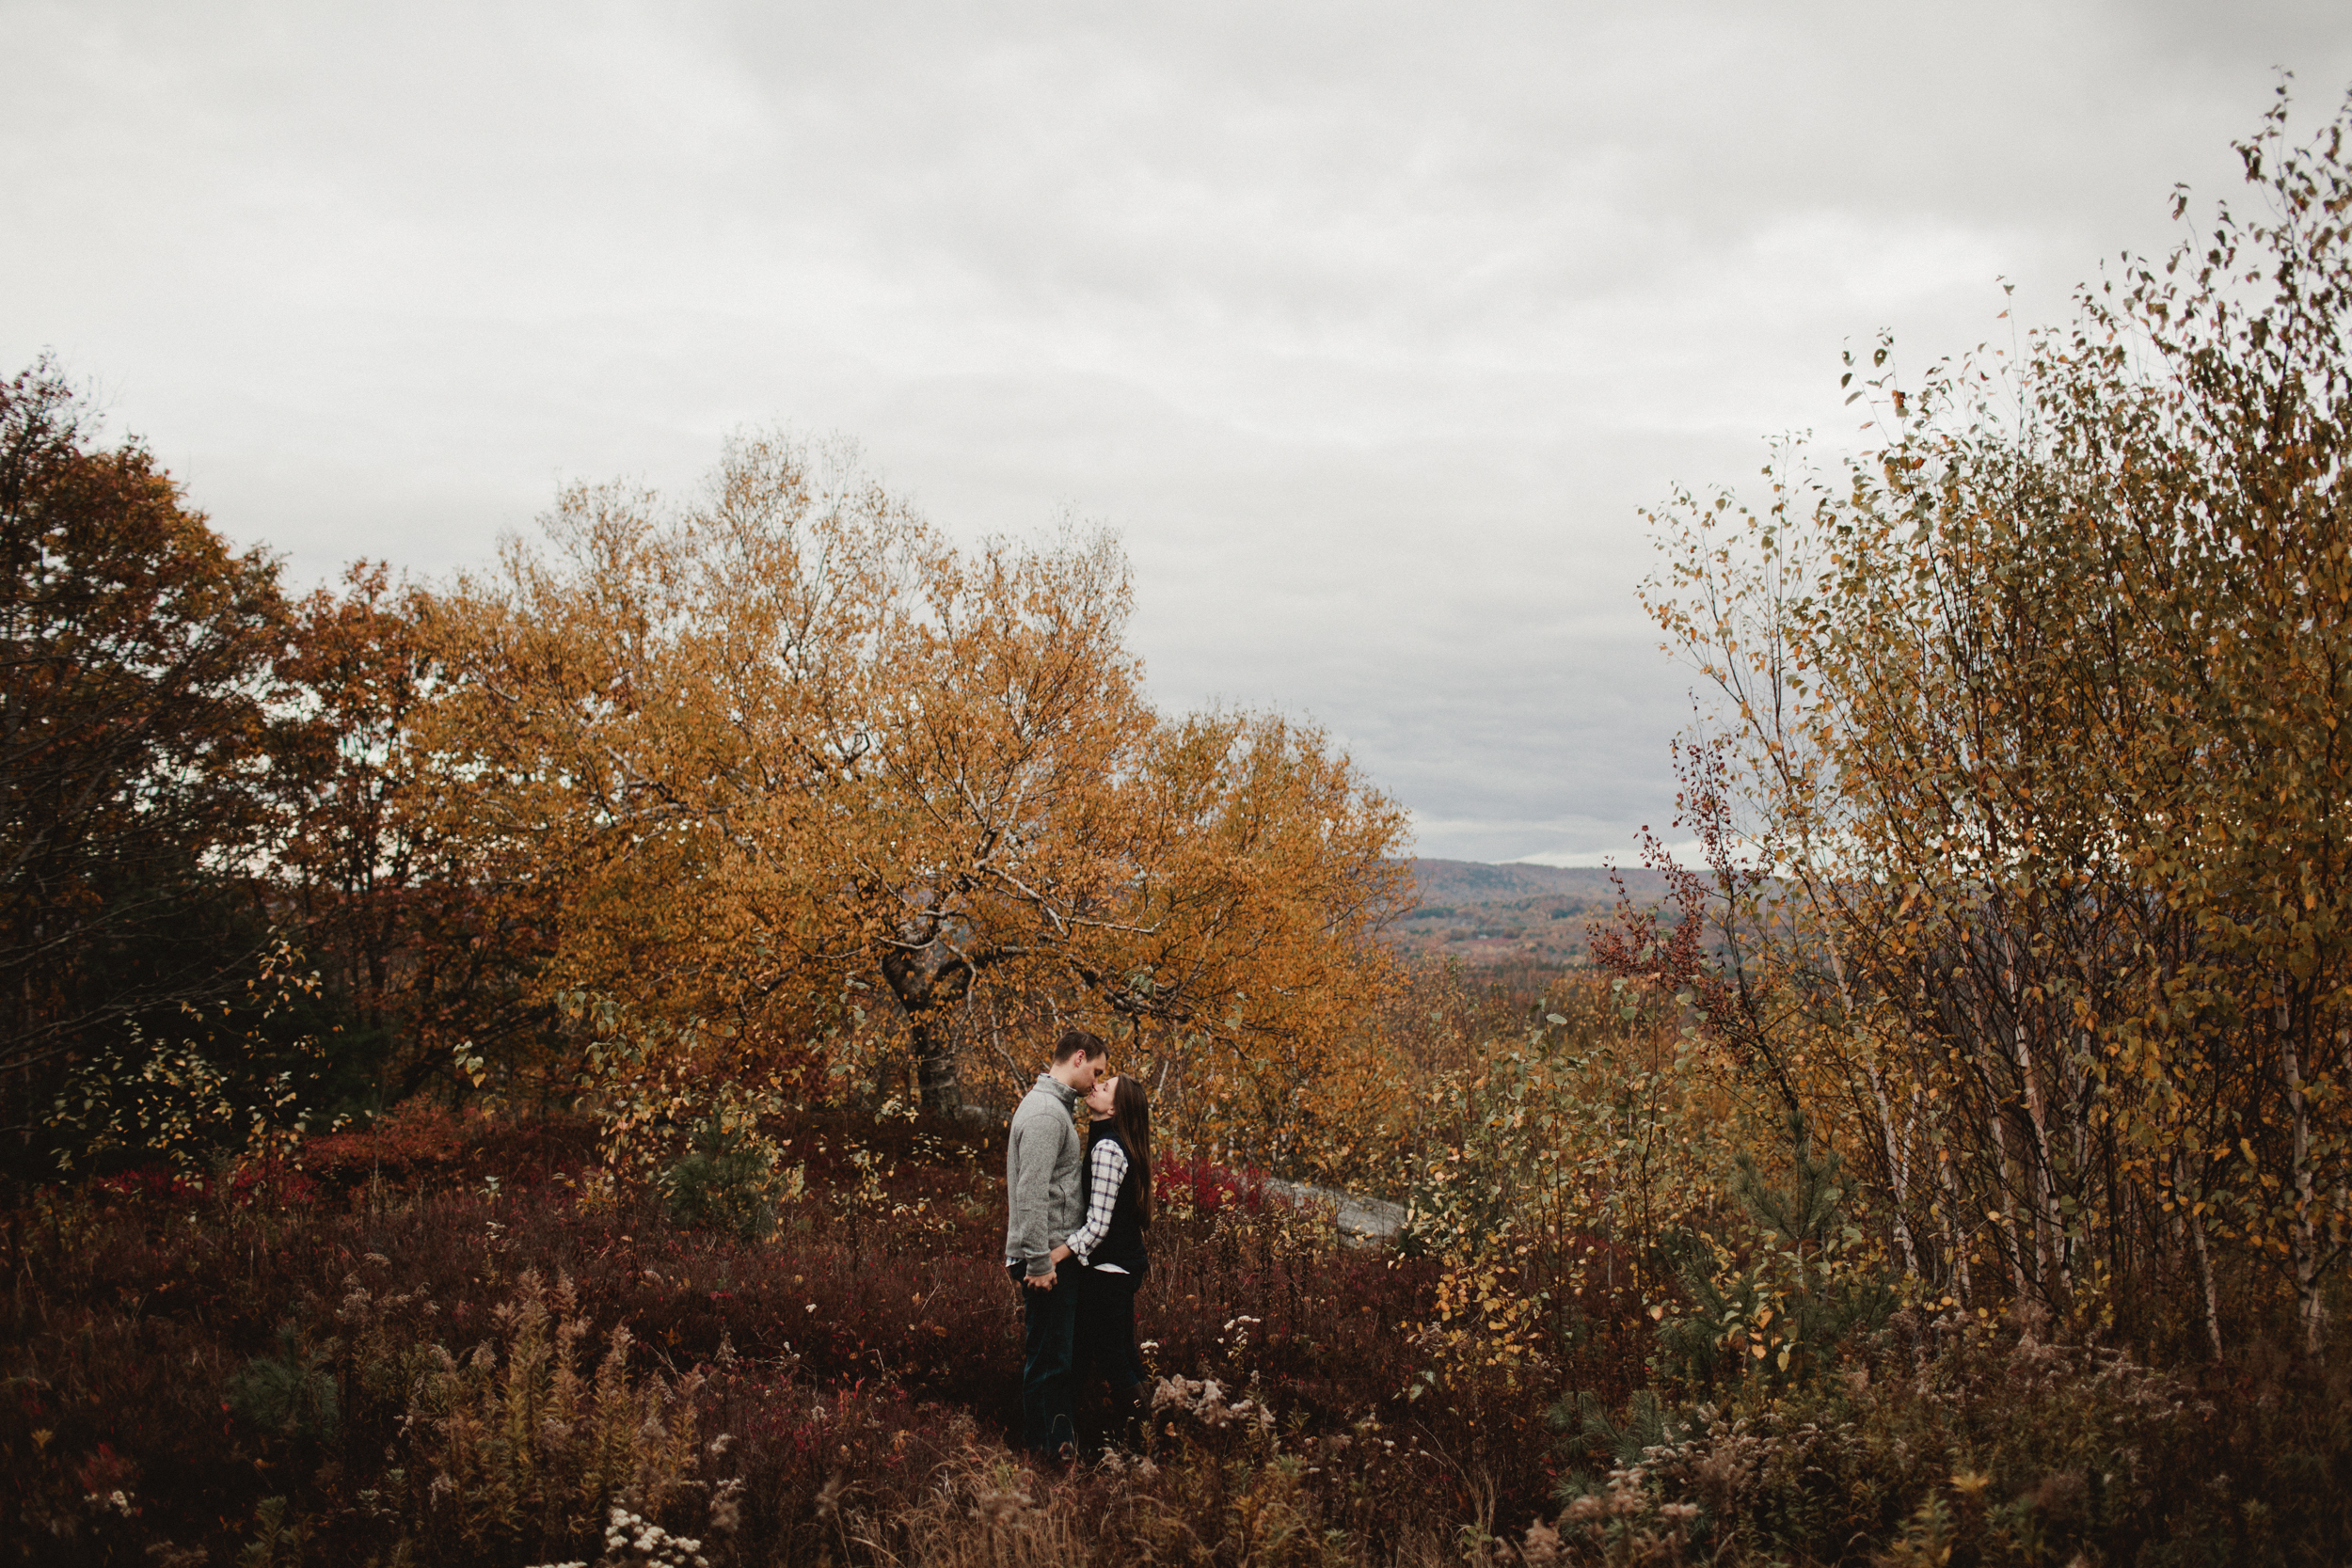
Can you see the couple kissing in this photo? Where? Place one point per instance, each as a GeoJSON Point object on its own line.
{"type": "Point", "coordinates": [1078, 1210]}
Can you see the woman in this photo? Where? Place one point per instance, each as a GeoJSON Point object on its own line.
{"type": "Point", "coordinates": [1117, 1185]}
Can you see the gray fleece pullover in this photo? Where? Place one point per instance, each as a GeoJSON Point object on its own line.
{"type": "Point", "coordinates": [1042, 1160]}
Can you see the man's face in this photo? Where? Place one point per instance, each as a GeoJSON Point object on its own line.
{"type": "Point", "coordinates": [1090, 1069]}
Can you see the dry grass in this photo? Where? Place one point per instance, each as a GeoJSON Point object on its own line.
{"type": "Point", "coordinates": [507, 1366]}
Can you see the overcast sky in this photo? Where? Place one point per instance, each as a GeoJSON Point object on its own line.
{"type": "Point", "coordinates": [1367, 327]}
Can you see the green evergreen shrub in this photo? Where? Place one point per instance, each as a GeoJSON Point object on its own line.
{"type": "Point", "coordinates": [289, 1394]}
{"type": "Point", "coordinates": [1792, 1285]}
{"type": "Point", "coordinates": [731, 1181]}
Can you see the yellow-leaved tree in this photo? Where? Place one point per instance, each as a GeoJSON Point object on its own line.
{"type": "Point", "coordinates": [2040, 706]}
{"type": "Point", "coordinates": [826, 797]}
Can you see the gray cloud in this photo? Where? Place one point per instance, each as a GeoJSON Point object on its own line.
{"type": "Point", "coordinates": [1367, 327]}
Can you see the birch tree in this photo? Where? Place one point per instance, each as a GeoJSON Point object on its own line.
{"type": "Point", "coordinates": [2038, 703]}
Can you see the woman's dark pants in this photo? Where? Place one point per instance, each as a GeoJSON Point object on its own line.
{"type": "Point", "coordinates": [1106, 1327]}
{"type": "Point", "coordinates": [1046, 1425]}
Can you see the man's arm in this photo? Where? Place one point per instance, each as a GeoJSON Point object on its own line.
{"type": "Point", "coordinates": [1030, 1169]}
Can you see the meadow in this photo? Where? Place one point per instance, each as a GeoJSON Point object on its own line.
{"type": "Point", "coordinates": [463, 1341]}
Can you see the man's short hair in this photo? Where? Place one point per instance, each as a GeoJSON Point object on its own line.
{"type": "Point", "coordinates": [1075, 1040]}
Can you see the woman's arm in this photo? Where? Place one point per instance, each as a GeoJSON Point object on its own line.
{"type": "Point", "coordinates": [1106, 1168]}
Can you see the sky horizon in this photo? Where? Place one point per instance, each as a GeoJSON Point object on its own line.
{"type": "Point", "coordinates": [1368, 330]}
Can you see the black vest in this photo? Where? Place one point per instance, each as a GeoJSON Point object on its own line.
{"type": "Point", "coordinates": [1123, 1245]}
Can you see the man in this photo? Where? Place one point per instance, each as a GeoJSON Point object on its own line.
{"type": "Point", "coordinates": [1045, 1206]}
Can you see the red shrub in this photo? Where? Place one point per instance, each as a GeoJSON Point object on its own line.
{"type": "Point", "coordinates": [274, 1183]}
{"type": "Point", "coordinates": [405, 1142]}
{"type": "Point", "coordinates": [1204, 1186]}
{"type": "Point", "coordinates": [272, 1179]}
{"type": "Point", "coordinates": [153, 1181]}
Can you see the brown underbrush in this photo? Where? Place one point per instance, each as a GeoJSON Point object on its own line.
{"type": "Point", "coordinates": [497, 1354]}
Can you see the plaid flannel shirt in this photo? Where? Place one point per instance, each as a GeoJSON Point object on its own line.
{"type": "Point", "coordinates": [1106, 1168]}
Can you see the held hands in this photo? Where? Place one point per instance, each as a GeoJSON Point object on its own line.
{"type": "Point", "coordinates": [1045, 1281]}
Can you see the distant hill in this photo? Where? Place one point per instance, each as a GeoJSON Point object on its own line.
{"type": "Point", "coordinates": [1487, 914]}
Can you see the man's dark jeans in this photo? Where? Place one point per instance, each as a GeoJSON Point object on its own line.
{"type": "Point", "coordinates": [1046, 1423]}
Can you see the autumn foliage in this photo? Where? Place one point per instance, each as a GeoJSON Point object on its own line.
{"type": "Point", "coordinates": [480, 1360]}
{"type": "Point", "coordinates": [2034, 747]}
{"type": "Point", "coordinates": [770, 796]}
{"type": "Point", "coordinates": [504, 1068]}
{"type": "Point", "coordinates": [814, 797]}
{"type": "Point", "coordinates": [134, 746]}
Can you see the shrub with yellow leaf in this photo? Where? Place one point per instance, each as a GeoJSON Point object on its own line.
{"type": "Point", "coordinates": [2034, 720]}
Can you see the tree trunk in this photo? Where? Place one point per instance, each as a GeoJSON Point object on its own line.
{"type": "Point", "coordinates": [937, 1071]}
{"type": "Point", "coordinates": [926, 980]}
{"type": "Point", "coordinates": [2187, 1202]}
{"type": "Point", "coordinates": [2049, 1222]}
{"type": "Point", "coordinates": [1898, 1145]}
{"type": "Point", "coordinates": [2003, 1174]}
{"type": "Point", "coordinates": [2302, 1238]}
{"type": "Point", "coordinates": [1955, 1243]}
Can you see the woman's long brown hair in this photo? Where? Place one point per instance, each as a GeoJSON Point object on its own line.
{"type": "Point", "coordinates": [1131, 1112]}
